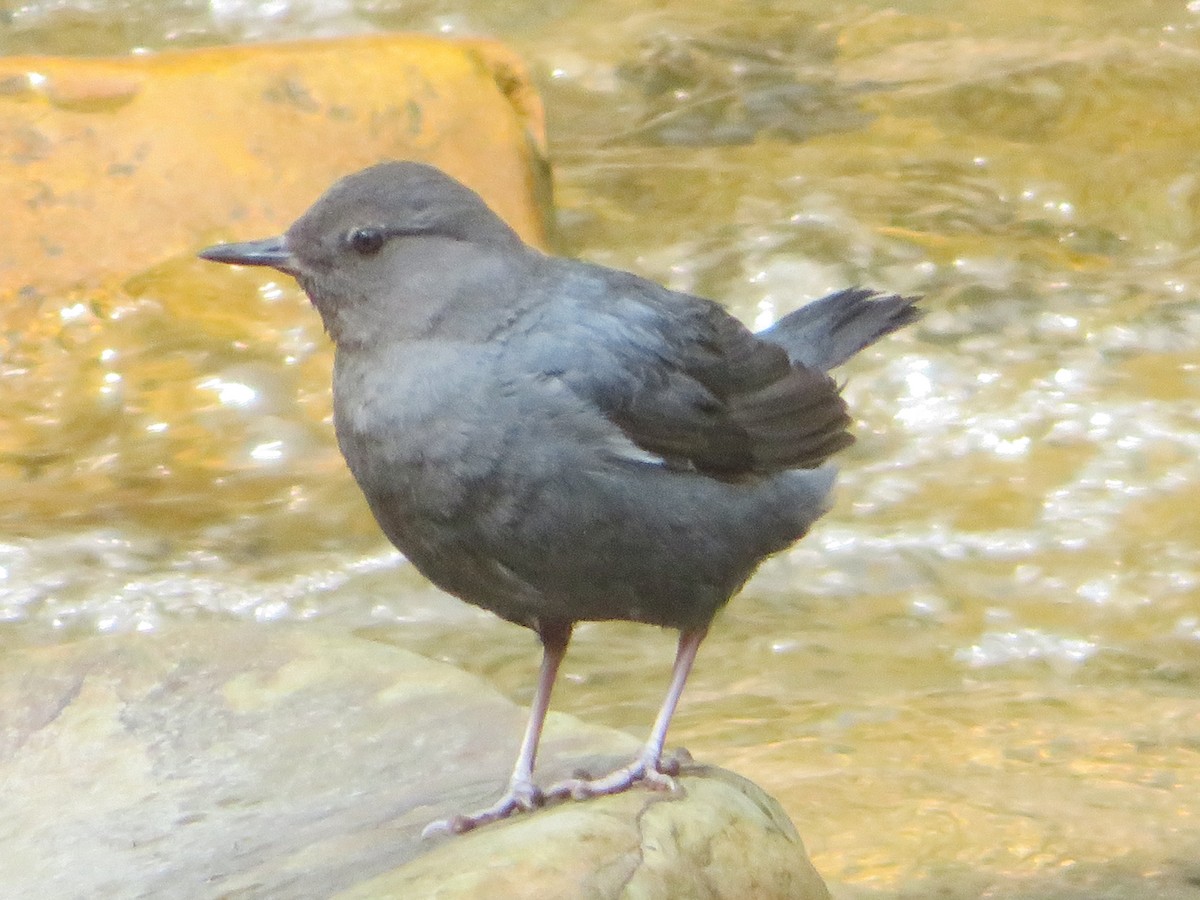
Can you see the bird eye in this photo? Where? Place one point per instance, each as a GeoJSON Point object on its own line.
{"type": "Point", "coordinates": [366, 240]}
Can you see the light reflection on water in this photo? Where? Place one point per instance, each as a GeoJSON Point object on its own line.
{"type": "Point", "coordinates": [988, 651]}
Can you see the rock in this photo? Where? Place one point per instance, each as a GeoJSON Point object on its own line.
{"type": "Point", "coordinates": [723, 838]}
{"type": "Point", "coordinates": [141, 158]}
{"type": "Point", "coordinates": [248, 761]}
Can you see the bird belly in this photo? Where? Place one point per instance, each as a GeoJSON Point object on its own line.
{"type": "Point", "coordinates": [545, 511]}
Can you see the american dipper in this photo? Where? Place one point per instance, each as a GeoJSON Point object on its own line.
{"type": "Point", "coordinates": [559, 442]}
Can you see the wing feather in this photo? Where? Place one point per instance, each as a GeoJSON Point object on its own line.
{"type": "Point", "coordinates": [686, 381]}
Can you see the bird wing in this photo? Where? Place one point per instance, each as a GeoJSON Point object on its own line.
{"type": "Point", "coordinates": [686, 381]}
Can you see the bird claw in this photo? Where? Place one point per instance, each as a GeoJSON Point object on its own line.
{"type": "Point", "coordinates": [520, 797]}
{"type": "Point", "coordinates": [674, 763]}
{"type": "Point", "coordinates": [656, 774]}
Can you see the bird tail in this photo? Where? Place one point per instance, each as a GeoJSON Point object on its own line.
{"type": "Point", "coordinates": [827, 332]}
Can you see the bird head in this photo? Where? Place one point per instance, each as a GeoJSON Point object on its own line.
{"type": "Point", "coordinates": [391, 238]}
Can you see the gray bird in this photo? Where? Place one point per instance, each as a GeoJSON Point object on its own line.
{"type": "Point", "coordinates": [559, 442]}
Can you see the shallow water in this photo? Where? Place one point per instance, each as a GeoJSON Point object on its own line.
{"type": "Point", "coordinates": [980, 675]}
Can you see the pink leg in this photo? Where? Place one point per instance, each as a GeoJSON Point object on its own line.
{"type": "Point", "coordinates": [648, 767]}
{"type": "Point", "coordinates": [522, 794]}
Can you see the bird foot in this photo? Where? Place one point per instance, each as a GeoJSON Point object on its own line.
{"type": "Point", "coordinates": [655, 773]}
{"type": "Point", "coordinates": [671, 764]}
{"type": "Point", "coordinates": [521, 796]}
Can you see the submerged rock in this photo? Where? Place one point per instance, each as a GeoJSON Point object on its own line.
{"type": "Point", "coordinates": [251, 761]}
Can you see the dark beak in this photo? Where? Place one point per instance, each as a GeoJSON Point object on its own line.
{"type": "Point", "coordinates": [271, 252]}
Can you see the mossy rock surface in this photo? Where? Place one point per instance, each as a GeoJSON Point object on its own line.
{"type": "Point", "coordinates": [251, 761]}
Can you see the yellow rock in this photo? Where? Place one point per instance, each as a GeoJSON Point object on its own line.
{"type": "Point", "coordinates": [108, 166]}
{"type": "Point", "coordinates": [720, 838]}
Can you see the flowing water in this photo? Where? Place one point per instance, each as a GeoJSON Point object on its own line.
{"type": "Point", "coordinates": [979, 676]}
